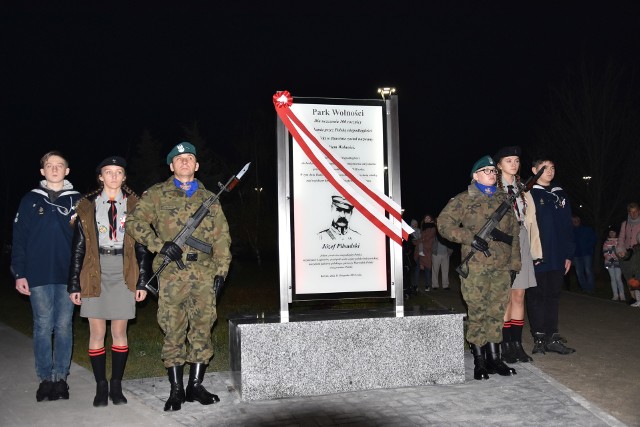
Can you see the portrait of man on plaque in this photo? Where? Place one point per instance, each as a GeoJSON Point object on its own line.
{"type": "Point", "coordinates": [341, 212]}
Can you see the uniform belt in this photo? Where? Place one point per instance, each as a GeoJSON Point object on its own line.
{"type": "Point", "coordinates": [111, 251]}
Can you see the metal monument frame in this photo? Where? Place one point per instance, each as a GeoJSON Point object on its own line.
{"type": "Point", "coordinates": [392, 148]}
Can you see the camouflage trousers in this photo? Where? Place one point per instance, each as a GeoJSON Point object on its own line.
{"type": "Point", "coordinates": [186, 314]}
{"type": "Point", "coordinates": [486, 292]}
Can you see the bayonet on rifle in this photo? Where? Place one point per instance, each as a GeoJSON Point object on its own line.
{"type": "Point", "coordinates": [184, 237]}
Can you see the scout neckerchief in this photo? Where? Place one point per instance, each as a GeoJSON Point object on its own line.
{"type": "Point", "coordinates": [189, 187]}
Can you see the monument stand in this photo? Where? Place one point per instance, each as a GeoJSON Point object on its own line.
{"type": "Point", "coordinates": [348, 150]}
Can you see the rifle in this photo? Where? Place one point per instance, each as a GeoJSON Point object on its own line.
{"type": "Point", "coordinates": [494, 220]}
{"type": "Point", "coordinates": [184, 236]}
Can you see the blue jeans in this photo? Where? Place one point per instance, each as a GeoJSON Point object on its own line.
{"type": "Point", "coordinates": [52, 314]}
{"type": "Point", "coordinates": [427, 277]}
{"type": "Point", "coordinates": [584, 270]}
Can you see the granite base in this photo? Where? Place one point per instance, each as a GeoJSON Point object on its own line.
{"type": "Point", "coordinates": [311, 355]}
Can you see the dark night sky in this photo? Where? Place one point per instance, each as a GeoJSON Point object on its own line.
{"type": "Point", "coordinates": [470, 76]}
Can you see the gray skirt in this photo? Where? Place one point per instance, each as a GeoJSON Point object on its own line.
{"type": "Point", "coordinates": [116, 301]}
{"type": "Point", "coordinates": [526, 278]}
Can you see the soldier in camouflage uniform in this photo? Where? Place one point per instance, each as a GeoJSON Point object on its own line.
{"type": "Point", "coordinates": [486, 289]}
{"type": "Point", "coordinates": [186, 300]}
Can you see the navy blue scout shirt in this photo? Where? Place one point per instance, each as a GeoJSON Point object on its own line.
{"type": "Point", "coordinates": [42, 234]}
{"type": "Point", "coordinates": [553, 213]}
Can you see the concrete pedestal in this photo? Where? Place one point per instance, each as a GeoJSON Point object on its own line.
{"type": "Point", "coordinates": [336, 352]}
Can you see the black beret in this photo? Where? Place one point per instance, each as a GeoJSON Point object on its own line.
{"type": "Point", "coordinates": [111, 161]}
{"type": "Point", "coordinates": [506, 152]}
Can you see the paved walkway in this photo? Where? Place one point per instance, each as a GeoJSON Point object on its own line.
{"type": "Point", "coordinates": [530, 398]}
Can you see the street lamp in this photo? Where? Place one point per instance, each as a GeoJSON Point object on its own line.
{"type": "Point", "coordinates": [386, 91]}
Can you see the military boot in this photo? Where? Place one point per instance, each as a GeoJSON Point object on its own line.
{"type": "Point", "coordinates": [479, 364]}
{"type": "Point", "coordinates": [176, 396]}
{"type": "Point", "coordinates": [494, 361]}
{"type": "Point", "coordinates": [195, 389]}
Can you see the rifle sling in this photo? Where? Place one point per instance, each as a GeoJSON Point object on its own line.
{"type": "Point", "coordinates": [199, 245]}
{"type": "Point", "coordinates": [501, 236]}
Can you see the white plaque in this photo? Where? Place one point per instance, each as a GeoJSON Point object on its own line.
{"type": "Point", "coordinates": [336, 248]}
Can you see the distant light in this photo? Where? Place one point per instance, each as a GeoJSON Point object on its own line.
{"type": "Point", "coordinates": [386, 91]}
{"type": "Point", "coordinates": [258, 189]}
{"type": "Point", "coordinates": [580, 205]}
{"type": "Point", "coordinates": [586, 178]}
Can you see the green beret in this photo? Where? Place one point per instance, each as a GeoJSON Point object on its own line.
{"type": "Point", "coordinates": [182, 148]}
{"type": "Point", "coordinates": [483, 162]}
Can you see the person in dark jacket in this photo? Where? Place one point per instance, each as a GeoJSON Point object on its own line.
{"type": "Point", "coordinates": [553, 213]}
{"type": "Point", "coordinates": [40, 264]}
{"type": "Point", "coordinates": [107, 274]}
{"type": "Point", "coordinates": [585, 243]}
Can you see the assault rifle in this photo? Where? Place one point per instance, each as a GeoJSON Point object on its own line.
{"type": "Point", "coordinates": [487, 230]}
{"type": "Point", "coordinates": [184, 237]}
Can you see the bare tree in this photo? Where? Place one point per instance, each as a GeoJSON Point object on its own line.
{"type": "Point", "coordinates": [213, 168]}
{"type": "Point", "coordinates": [257, 212]}
{"type": "Point", "coordinates": [147, 165]}
{"type": "Point", "coordinates": [592, 132]}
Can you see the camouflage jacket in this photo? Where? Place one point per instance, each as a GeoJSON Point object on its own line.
{"type": "Point", "coordinates": [166, 209]}
{"type": "Point", "coordinates": [465, 215]}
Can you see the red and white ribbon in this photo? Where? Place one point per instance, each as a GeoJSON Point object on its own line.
{"type": "Point", "coordinates": [366, 199]}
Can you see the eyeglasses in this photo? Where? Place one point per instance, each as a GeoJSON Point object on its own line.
{"type": "Point", "coordinates": [488, 171]}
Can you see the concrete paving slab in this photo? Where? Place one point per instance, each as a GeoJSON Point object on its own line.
{"type": "Point", "coordinates": [530, 398]}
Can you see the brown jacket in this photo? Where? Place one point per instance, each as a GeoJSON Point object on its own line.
{"type": "Point", "coordinates": [84, 271]}
{"type": "Point", "coordinates": [427, 237]}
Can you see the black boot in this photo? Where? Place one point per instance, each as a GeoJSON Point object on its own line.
{"type": "Point", "coordinates": [556, 345]}
{"type": "Point", "coordinates": [519, 352]}
{"type": "Point", "coordinates": [508, 352]}
{"type": "Point", "coordinates": [479, 364]}
{"type": "Point", "coordinates": [539, 341]}
{"type": "Point", "coordinates": [98, 359]}
{"type": "Point", "coordinates": [494, 361]}
{"type": "Point", "coordinates": [44, 390]}
{"type": "Point", "coordinates": [119, 356]}
{"type": "Point", "coordinates": [102, 394]}
{"type": "Point", "coordinates": [176, 396]}
{"type": "Point", "coordinates": [115, 392]}
{"type": "Point", "coordinates": [195, 389]}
